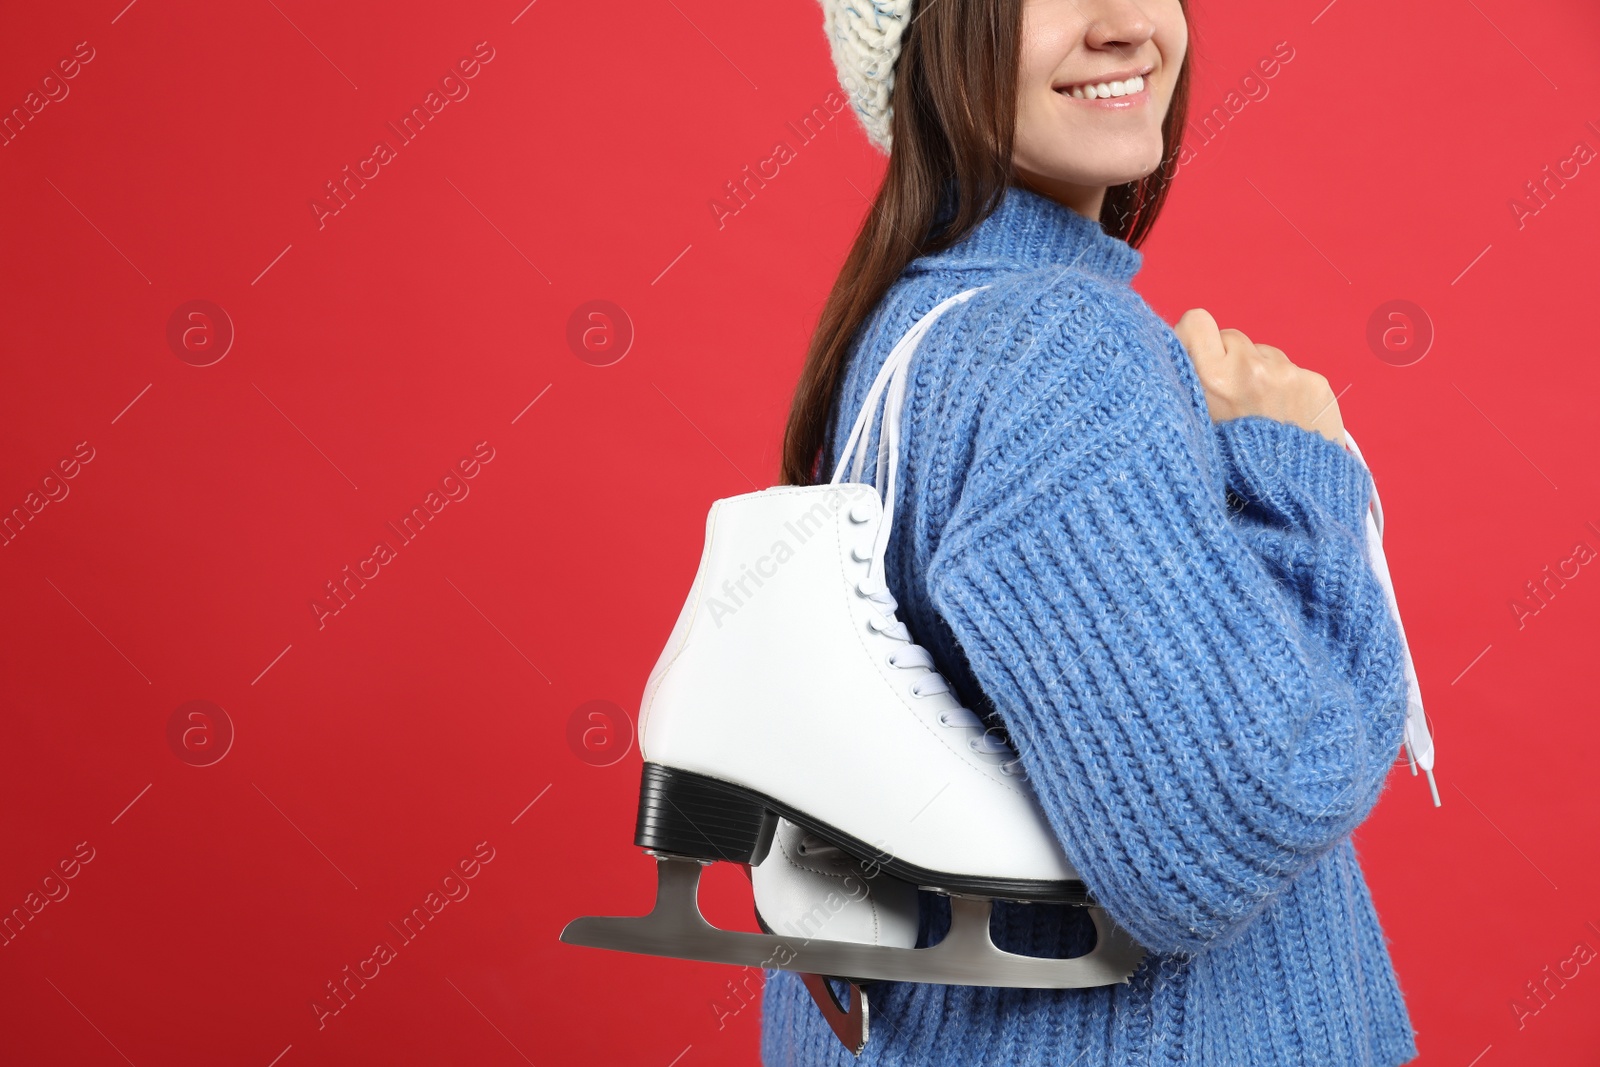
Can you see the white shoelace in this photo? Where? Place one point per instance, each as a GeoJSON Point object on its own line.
{"type": "Point", "coordinates": [1419, 742]}
{"type": "Point", "coordinates": [915, 656]}
{"type": "Point", "coordinates": [892, 377]}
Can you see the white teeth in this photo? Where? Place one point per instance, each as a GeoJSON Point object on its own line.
{"type": "Point", "coordinates": [1107, 90]}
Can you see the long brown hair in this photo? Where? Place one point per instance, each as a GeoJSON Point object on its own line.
{"type": "Point", "coordinates": [955, 104]}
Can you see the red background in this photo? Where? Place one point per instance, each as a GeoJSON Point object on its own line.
{"type": "Point", "coordinates": [373, 753]}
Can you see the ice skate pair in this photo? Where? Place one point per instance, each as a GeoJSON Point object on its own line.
{"type": "Point", "coordinates": [792, 724]}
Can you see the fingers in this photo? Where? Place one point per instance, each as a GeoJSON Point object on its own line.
{"type": "Point", "coordinates": [1241, 377]}
{"type": "Point", "coordinates": [1196, 317]}
{"type": "Point", "coordinates": [1237, 343]}
{"type": "Point", "coordinates": [1199, 334]}
{"type": "Point", "coordinates": [1198, 330]}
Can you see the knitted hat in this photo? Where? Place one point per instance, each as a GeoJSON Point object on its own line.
{"type": "Point", "coordinates": [864, 36]}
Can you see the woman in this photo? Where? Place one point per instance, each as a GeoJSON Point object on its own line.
{"type": "Point", "coordinates": [1139, 551]}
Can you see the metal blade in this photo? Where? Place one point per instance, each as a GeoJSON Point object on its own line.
{"type": "Point", "coordinates": [848, 1025]}
{"type": "Point", "coordinates": [675, 928]}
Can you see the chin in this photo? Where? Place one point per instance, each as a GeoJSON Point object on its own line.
{"type": "Point", "coordinates": [1122, 161]}
{"type": "Point", "coordinates": [1105, 174]}
{"type": "Point", "coordinates": [1143, 169]}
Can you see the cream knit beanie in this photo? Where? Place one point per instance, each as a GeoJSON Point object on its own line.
{"type": "Point", "coordinates": [864, 36]}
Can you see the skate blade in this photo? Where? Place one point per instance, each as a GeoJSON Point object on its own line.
{"type": "Point", "coordinates": [849, 1025]}
{"type": "Point", "coordinates": [675, 928]}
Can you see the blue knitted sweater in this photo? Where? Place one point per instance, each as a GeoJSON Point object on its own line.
{"type": "Point", "coordinates": [1177, 625]}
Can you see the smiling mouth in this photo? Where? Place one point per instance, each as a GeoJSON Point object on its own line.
{"type": "Point", "coordinates": [1104, 90]}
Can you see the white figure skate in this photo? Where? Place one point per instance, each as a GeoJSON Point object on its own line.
{"type": "Point", "coordinates": [789, 691]}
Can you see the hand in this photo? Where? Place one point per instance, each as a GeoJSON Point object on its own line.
{"type": "Point", "coordinates": [1243, 378]}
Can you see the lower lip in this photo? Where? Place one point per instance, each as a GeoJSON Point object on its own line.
{"type": "Point", "coordinates": [1112, 103]}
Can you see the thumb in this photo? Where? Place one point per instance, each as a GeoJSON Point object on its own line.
{"type": "Point", "coordinates": [1199, 333]}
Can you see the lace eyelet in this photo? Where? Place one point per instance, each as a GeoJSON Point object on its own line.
{"type": "Point", "coordinates": [944, 719]}
{"type": "Point", "coordinates": [889, 659]}
{"type": "Point", "coordinates": [855, 554]}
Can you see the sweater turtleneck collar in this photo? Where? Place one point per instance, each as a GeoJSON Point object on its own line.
{"type": "Point", "coordinates": [1028, 231]}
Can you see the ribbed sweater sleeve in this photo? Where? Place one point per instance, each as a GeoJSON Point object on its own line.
{"type": "Point", "coordinates": [1204, 700]}
{"type": "Point", "coordinates": [1296, 493]}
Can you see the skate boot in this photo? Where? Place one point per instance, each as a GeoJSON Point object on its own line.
{"type": "Point", "coordinates": [788, 691]}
